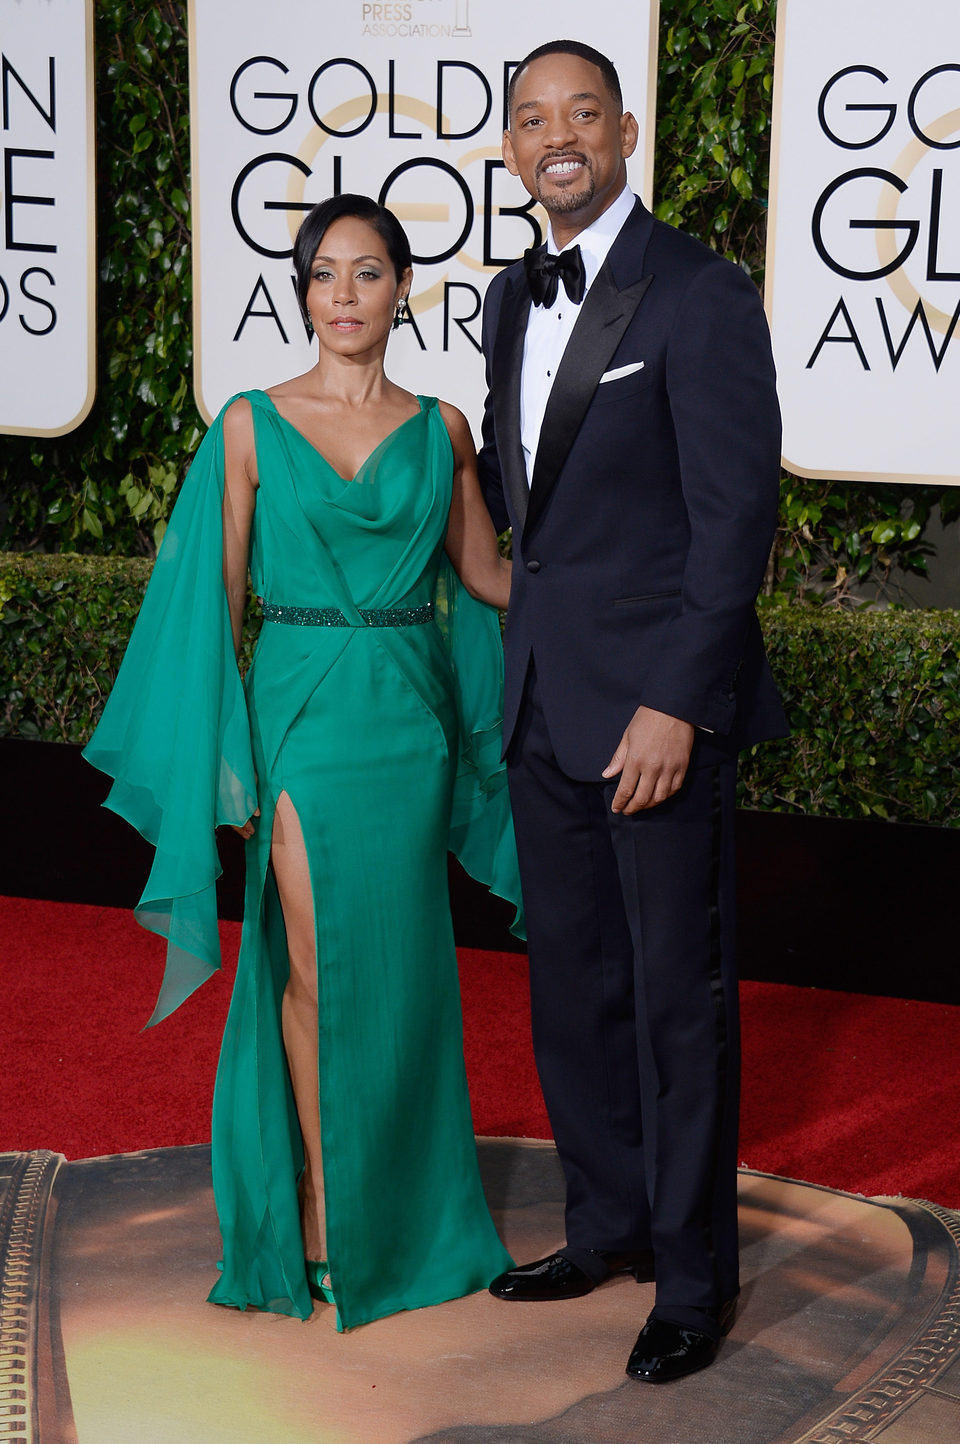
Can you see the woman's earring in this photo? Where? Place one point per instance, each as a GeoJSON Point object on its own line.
{"type": "Point", "coordinates": [400, 314]}
{"type": "Point", "coordinates": [308, 323]}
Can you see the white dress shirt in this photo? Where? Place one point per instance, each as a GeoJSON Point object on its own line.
{"type": "Point", "coordinates": [549, 330]}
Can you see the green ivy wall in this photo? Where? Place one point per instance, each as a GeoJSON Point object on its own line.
{"type": "Point", "coordinates": [108, 486]}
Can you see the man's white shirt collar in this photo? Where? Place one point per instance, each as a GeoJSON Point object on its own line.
{"type": "Point", "coordinates": [550, 328]}
{"type": "Point", "coordinates": [596, 240]}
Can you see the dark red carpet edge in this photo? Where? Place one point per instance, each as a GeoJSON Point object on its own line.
{"type": "Point", "coordinates": [855, 1092]}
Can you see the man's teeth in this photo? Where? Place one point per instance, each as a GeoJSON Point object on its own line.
{"type": "Point", "coordinates": [562, 167]}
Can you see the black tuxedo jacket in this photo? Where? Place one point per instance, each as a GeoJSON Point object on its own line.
{"type": "Point", "coordinates": [641, 543]}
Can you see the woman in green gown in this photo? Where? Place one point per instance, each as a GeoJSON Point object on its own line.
{"type": "Point", "coordinates": [364, 743]}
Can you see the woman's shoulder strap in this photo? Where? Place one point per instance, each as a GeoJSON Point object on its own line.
{"type": "Point", "coordinates": [257, 399]}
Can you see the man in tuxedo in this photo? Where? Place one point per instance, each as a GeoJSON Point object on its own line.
{"type": "Point", "coordinates": [632, 441]}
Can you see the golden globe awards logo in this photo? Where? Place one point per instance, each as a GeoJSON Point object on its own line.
{"type": "Point", "coordinates": [47, 211]}
{"type": "Point", "coordinates": [402, 100]}
{"type": "Point", "coordinates": [362, 133]}
{"type": "Point", "coordinates": [914, 215]}
{"type": "Point", "coordinates": [28, 106]}
{"type": "Point", "coordinates": [863, 258]}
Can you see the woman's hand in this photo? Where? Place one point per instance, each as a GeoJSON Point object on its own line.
{"type": "Point", "coordinates": [248, 828]}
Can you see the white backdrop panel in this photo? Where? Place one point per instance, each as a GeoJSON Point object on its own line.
{"type": "Point", "coordinates": [47, 216]}
{"type": "Point", "coordinates": [863, 278]}
{"type": "Point", "coordinates": [291, 102]}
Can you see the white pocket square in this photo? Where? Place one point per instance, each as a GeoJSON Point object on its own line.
{"type": "Point", "coordinates": [619, 371]}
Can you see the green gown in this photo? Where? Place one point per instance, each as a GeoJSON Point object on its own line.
{"type": "Point", "coordinates": [384, 730]}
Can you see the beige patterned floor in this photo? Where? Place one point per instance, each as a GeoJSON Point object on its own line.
{"type": "Point", "coordinates": [849, 1330]}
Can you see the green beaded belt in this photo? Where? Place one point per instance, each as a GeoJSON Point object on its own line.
{"type": "Point", "coordinates": [333, 617]}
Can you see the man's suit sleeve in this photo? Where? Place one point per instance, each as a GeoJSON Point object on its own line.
{"type": "Point", "coordinates": [488, 461]}
{"type": "Point", "coordinates": [721, 388]}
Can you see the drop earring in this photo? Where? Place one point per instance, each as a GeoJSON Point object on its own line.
{"type": "Point", "coordinates": [400, 314]}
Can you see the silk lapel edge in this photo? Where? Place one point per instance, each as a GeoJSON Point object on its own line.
{"type": "Point", "coordinates": [607, 312]}
{"type": "Point", "coordinates": [506, 369]}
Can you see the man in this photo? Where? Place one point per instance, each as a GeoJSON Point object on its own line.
{"type": "Point", "coordinates": [631, 440]}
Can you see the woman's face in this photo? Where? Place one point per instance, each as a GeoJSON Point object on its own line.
{"type": "Point", "coordinates": [353, 288]}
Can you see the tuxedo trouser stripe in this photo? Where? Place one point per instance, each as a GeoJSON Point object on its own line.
{"type": "Point", "coordinates": [716, 979]}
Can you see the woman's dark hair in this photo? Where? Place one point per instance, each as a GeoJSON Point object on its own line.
{"type": "Point", "coordinates": [316, 223]}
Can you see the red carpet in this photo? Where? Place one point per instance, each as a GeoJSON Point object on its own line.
{"type": "Point", "coordinates": [841, 1089]}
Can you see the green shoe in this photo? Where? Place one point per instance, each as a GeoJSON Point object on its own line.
{"type": "Point", "coordinates": [317, 1272]}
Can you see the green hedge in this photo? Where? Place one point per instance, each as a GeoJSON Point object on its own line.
{"type": "Point", "coordinates": [64, 622]}
{"type": "Point", "coordinates": [874, 701]}
{"type": "Point", "coordinates": [873, 697]}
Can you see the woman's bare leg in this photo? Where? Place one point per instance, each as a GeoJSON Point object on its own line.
{"type": "Point", "coordinates": [288, 856]}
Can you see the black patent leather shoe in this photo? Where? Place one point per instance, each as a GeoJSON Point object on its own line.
{"type": "Point", "coordinates": [665, 1351]}
{"type": "Point", "coordinates": [558, 1277]}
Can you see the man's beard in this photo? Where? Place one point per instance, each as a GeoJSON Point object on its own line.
{"type": "Point", "coordinates": [562, 202]}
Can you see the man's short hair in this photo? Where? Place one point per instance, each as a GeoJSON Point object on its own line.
{"type": "Point", "coordinates": [570, 47]}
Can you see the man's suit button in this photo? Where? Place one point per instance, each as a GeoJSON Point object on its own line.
{"type": "Point", "coordinates": [533, 566]}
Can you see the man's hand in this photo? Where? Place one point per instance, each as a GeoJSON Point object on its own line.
{"type": "Point", "coordinates": [652, 760]}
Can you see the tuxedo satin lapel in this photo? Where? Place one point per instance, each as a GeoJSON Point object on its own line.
{"type": "Point", "coordinates": [505, 376]}
{"type": "Point", "coordinates": [606, 314]}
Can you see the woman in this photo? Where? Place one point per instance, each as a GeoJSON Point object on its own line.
{"type": "Point", "coordinates": [367, 740]}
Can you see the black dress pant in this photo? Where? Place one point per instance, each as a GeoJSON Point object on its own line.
{"type": "Point", "coordinates": [630, 923]}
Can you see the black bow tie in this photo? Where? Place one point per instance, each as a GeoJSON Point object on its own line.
{"type": "Point", "coordinates": [544, 272]}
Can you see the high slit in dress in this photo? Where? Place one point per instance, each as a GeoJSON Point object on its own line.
{"type": "Point", "coordinates": [373, 701]}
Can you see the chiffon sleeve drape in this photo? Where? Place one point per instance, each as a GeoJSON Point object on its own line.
{"type": "Point", "coordinates": [174, 734]}
{"type": "Point", "coordinates": [481, 825]}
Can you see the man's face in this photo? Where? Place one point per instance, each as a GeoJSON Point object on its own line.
{"type": "Point", "coordinates": [567, 140]}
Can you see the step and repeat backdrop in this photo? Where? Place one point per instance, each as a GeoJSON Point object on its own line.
{"type": "Point", "coordinates": [863, 262]}
{"type": "Point", "coordinates": [47, 214]}
{"type": "Point", "coordinates": [405, 101]}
